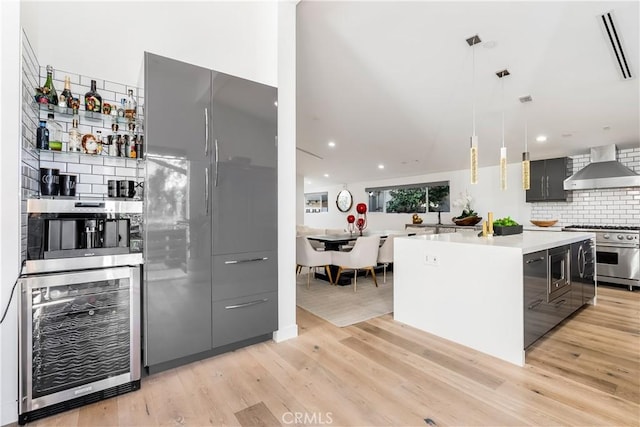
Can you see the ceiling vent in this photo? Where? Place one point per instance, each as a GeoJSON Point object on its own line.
{"type": "Point", "coordinates": [614, 41]}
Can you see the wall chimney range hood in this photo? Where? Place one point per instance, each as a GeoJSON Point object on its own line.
{"type": "Point", "coordinates": [604, 171]}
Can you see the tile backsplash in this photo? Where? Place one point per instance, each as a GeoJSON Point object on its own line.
{"type": "Point", "coordinates": [610, 206]}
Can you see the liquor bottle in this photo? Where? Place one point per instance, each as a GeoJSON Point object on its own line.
{"type": "Point", "coordinates": [42, 136]}
{"type": "Point", "coordinates": [130, 106]}
{"type": "Point", "coordinates": [93, 100]}
{"type": "Point", "coordinates": [55, 133]}
{"type": "Point", "coordinates": [47, 93]}
{"type": "Point", "coordinates": [75, 140]}
{"type": "Point", "coordinates": [66, 98]}
{"type": "Point", "coordinates": [123, 102]}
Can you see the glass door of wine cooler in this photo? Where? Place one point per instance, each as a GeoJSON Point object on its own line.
{"type": "Point", "coordinates": [79, 334]}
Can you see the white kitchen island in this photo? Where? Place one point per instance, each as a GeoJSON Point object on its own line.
{"type": "Point", "coordinates": [469, 289]}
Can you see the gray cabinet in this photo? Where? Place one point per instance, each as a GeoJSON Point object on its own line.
{"type": "Point", "coordinates": [244, 233]}
{"type": "Point", "coordinates": [210, 211]}
{"type": "Point", "coordinates": [547, 180]}
{"type": "Point", "coordinates": [245, 166]}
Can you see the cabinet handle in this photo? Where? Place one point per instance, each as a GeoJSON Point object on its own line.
{"type": "Point", "coordinates": [206, 190]}
{"type": "Point", "coordinates": [206, 131]}
{"type": "Point", "coordinates": [246, 304]}
{"type": "Point", "coordinates": [542, 186]}
{"type": "Point", "coordinates": [534, 304]}
{"type": "Point", "coordinates": [559, 303]}
{"type": "Point", "coordinates": [547, 185]}
{"type": "Point", "coordinates": [240, 261]}
{"type": "Point", "coordinates": [529, 261]}
{"type": "Point", "coordinates": [215, 181]}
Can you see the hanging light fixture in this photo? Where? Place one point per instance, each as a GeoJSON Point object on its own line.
{"type": "Point", "coordinates": [526, 166]}
{"type": "Point", "coordinates": [473, 150]}
{"type": "Point", "coordinates": [503, 150]}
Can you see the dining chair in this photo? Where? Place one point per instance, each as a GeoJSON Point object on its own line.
{"type": "Point", "coordinates": [306, 256]}
{"type": "Point", "coordinates": [385, 254]}
{"type": "Point", "coordinates": [364, 255]}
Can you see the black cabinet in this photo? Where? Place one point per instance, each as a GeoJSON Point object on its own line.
{"type": "Point", "coordinates": [547, 180]}
{"type": "Point", "coordinates": [582, 271]}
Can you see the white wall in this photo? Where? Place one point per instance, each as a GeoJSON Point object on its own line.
{"type": "Point", "coordinates": [9, 202]}
{"type": "Point", "coordinates": [487, 196]}
{"type": "Point", "coordinates": [239, 38]}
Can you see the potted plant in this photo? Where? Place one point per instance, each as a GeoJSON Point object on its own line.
{"type": "Point", "coordinates": [468, 216]}
{"type": "Point", "coordinates": [506, 226]}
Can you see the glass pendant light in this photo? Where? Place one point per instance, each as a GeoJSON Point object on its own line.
{"type": "Point", "coordinates": [526, 166]}
{"type": "Point", "coordinates": [473, 149]}
{"type": "Point", "coordinates": [503, 150]}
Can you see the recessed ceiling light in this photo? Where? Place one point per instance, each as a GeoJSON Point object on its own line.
{"type": "Point", "coordinates": [380, 166]}
{"type": "Point", "coordinates": [275, 103]}
{"type": "Point", "coordinates": [332, 144]}
{"type": "Point", "coordinates": [541, 138]}
{"type": "Point", "coordinates": [326, 175]}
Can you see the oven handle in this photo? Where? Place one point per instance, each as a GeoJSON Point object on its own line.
{"type": "Point", "coordinates": [582, 262]}
{"type": "Point", "coordinates": [617, 246]}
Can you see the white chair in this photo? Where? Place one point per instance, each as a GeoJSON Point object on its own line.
{"type": "Point", "coordinates": [364, 255]}
{"type": "Point", "coordinates": [306, 256]}
{"type": "Point", "coordinates": [385, 255]}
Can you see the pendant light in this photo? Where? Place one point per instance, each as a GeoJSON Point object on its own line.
{"type": "Point", "coordinates": [503, 150]}
{"type": "Point", "coordinates": [526, 166]}
{"type": "Point", "coordinates": [473, 149]}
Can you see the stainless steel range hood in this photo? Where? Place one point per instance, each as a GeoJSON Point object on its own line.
{"type": "Point", "coordinates": [604, 171]}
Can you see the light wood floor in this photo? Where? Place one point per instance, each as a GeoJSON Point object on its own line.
{"type": "Point", "coordinates": [380, 372]}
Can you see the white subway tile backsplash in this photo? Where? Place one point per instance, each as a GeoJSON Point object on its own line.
{"type": "Point", "coordinates": [93, 160]}
{"type": "Point", "coordinates": [103, 170]}
{"type": "Point", "coordinates": [90, 179]}
{"type": "Point", "coordinates": [83, 188]}
{"type": "Point", "coordinates": [99, 189]}
{"type": "Point", "coordinates": [79, 168]}
{"type": "Point", "coordinates": [619, 206]}
{"type": "Point", "coordinates": [126, 172]}
{"type": "Point", "coordinates": [115, 161]}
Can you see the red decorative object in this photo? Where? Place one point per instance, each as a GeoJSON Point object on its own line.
{"type": "Point", "coordinates": [361, 223]}
{"type": "Point", "coordinates": [350, 224]}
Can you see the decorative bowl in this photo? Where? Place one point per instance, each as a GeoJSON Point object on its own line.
{"type": "Point", "coordinates": [543, 223]}
{"type": "Point", "coordinates": [468, 220]}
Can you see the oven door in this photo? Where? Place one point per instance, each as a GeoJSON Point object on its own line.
{"type": "Point", "coordinates": [79, 334]}
{"type": "Point", "coordinates": [618, 264]}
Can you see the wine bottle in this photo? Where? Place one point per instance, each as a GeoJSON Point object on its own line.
{"type": "Point", "coordinates": [130, 106]}
{"type": "Point", "coordinates": [49, 95]}
{"type": "Point", "coordinates": [92, 99]}
{"type": "Point", "coordinates": [42, 136]}
{"type": "Point", "coordinates": [75, 142]}
{"type": "Point", "coordinates": [66, 98]}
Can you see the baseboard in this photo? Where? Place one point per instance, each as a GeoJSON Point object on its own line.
{"type": "Point", "coordinates": [9, 414]}
{"type": "Point", "coordinates": [285, 333]}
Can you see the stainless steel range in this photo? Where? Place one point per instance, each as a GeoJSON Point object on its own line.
{"type": "Point", "coordinates": [617, 253]}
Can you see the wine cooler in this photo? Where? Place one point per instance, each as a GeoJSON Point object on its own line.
{"type": "Point", "coordinates": [79, 338]}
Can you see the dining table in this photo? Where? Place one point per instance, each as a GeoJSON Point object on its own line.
{"type": "Point", "coordinates": [333, 242]}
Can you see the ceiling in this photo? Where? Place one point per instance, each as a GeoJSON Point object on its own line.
{"type": "Point", "coordinates": [391, 83]}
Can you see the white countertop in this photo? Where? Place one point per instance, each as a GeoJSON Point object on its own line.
{"type": "Point", "coordinates": [527, 241]}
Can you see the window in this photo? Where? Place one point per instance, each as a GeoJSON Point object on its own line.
{"type": "Point", "coordinates": [316, 202]}
{"type": "Point", "coordinates": [411, 198]}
